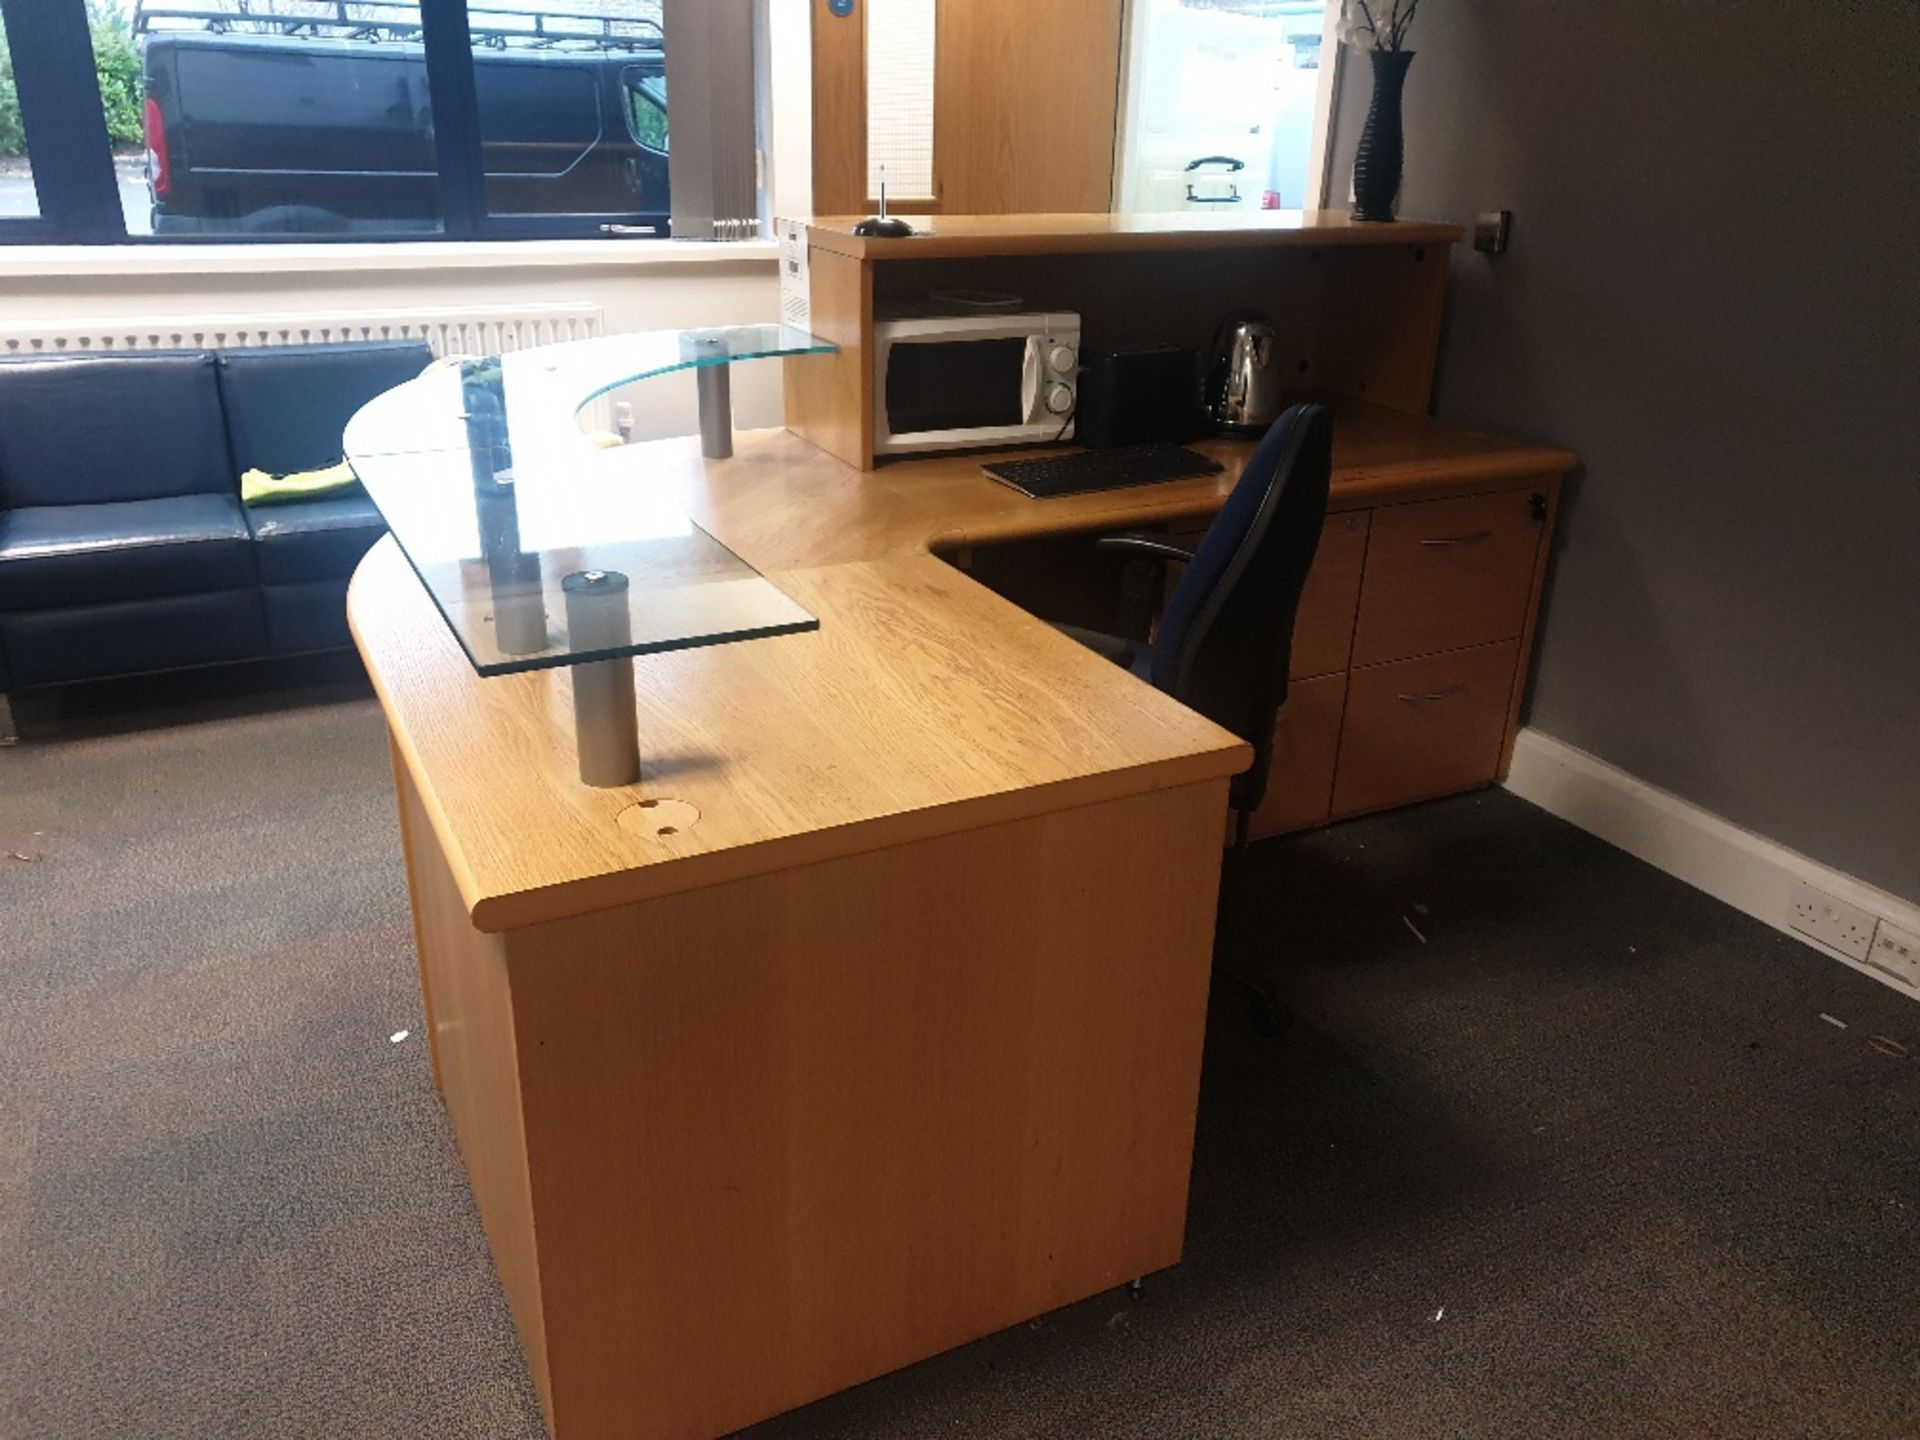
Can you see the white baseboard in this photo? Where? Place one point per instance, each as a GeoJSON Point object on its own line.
{"type": "Point", "coordinates": [1747, 871]}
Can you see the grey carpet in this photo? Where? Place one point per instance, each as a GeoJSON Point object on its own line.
{"type": "Point", "coordinates": [1586, 1161]}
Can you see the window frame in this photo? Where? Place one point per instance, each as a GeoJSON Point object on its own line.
{"type": "Point", "coordinates": [72, 158]}
{"type": "Point", "coordinates": [65, 126]}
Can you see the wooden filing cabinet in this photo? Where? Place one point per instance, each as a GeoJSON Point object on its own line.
{"type": "Point", "coordinates": [1409, 652]}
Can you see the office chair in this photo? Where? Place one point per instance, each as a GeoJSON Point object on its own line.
{"type": "Point", "coordinates": [1225, 639]}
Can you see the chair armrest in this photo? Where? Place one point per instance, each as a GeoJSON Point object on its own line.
{"type": "Point", "coordinates": [1120, 651]}
{"type": "Point", "coordinates": [1157, 547]}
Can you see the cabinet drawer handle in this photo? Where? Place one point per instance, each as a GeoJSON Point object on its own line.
{"type": "Point", "coordinates": [1459, 539]}
{"type": "Point", "coordinates": [1423, 695]}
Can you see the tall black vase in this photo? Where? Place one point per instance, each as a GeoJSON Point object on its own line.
{"type": "Point", "coordinates": [1376, 165]}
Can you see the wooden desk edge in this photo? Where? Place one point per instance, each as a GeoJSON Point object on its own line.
{"type": "Point", "coordinates": [515, 910]}
{"type": "Point", "coordinates": [833, 234]}
{"type": "Point", "coordinates": [1364, 487]}
{"type": "Point", "coordinates": [1358, 488]}
{"type": "Point", "coordinates": [402, 742]}
{"type": "Point", "coordinates": [494, 912]}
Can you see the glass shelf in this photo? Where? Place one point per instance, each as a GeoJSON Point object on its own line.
{"type": "Point", "coordinates": [539, 391]}
{"type": "Point", "coordinates": [537, 546]}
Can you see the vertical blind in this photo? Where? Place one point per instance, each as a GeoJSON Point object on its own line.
{"type": "Point", "coordinates": [710, 92]}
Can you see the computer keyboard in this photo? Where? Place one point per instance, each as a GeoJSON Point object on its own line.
{"type": "Point", "coordinates": [1112, 469]}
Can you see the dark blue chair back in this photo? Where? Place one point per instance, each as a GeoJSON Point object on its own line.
{"type": "Point", "coordinates": [1226, 637]}
{"type": "Point", "coordinates": [83, 429]}
{"type": "Point", "coordinates": [287, 405]}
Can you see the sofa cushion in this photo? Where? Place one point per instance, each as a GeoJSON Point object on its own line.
{"type": "Point", "coordinates": [313, 539]}
{"type": "Point", "coordinates": [84, 429]}
{"type": "Point", "coordinates": [55, 555]}
{"type": "Point", "coordinates": [287, 405]}
{"type": "Point", "coordinates": [133, 637]}
{"type": "Point", "coordinates": [308, 615]}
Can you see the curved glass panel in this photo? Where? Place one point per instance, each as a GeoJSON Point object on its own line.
{"type": "Point", "coordinates": [497, 497]}
{"type": "Point", "coordinates": [545, 387]}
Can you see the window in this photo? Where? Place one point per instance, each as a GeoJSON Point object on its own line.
{"type": "Point", "coordinates": [345, 119]}
{"type": "Point", "coordinates": [1224, 106]}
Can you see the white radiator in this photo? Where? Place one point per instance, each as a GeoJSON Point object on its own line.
{"type": "Point", "coordinates": [462, 330]}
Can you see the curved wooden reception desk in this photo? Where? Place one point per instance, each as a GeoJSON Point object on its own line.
{"type": "Point", "coordinates": [869, 1020]}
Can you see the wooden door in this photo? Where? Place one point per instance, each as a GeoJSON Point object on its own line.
{"type": "Point", "coordinates": [839, 111]}
{"type": "Point", "coordinates": [1025, 98]}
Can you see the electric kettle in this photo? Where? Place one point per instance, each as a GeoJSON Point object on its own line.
{"type": "Point", "coordinates": [1243, 392]}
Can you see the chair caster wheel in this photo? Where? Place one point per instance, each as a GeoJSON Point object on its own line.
{"type": "Point", "coordinates": [1135, 1289]}
{"type": "Point", "coordinates": [1270, 1019]}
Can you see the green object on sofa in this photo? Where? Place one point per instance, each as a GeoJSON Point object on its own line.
{"type": "Point", "coordinates": [257, 487]}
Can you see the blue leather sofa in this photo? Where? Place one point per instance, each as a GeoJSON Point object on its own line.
{"type": "Point", "coordinates": [124, 545]}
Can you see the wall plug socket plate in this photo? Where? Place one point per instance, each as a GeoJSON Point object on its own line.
{"type": "Point", "coordinates": [1832, 921]}
{"type": "Point", "coordinates": [1897, 952]}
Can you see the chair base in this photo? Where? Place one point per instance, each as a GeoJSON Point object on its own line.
{"type": "Point", "coordinates": [1267, 1013]}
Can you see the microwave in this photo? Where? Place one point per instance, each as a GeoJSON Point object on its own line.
{"type": "Point", "coordinates": [953, 382]}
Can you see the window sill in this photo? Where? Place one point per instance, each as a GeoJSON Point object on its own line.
{"type": "Point", "coordinates": [23, 261]}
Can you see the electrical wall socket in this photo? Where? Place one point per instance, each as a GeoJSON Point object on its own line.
{"type": "Point", "coordinates": [1897, 952]}
{"type": "Point", "coordinates": [1832, 921]}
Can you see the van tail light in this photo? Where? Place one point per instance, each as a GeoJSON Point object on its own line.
{"type": "Point", "coordinates": [157, 150]}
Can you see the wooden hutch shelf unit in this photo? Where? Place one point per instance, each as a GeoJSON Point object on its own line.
{"type": "Point", "coordinates": [1358, 306]}
{"type": "Point", "coordinates": [1413, 640]}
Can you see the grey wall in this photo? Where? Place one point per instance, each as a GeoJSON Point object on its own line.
{"type": "Point", "coordinates": [1713, 296]}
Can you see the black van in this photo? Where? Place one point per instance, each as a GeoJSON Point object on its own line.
{"type": "Point", "coordinates": [256, 134]}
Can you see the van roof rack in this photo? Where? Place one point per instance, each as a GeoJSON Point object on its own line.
{"type": "Point", "coordinates": [399, 20]}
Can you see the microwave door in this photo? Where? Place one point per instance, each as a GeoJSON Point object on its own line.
{"type": "Point", "coordinates": [934, 387]}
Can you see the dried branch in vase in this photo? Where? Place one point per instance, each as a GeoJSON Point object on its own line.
{"type": "Point", "coordinates": [1381, 25]}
